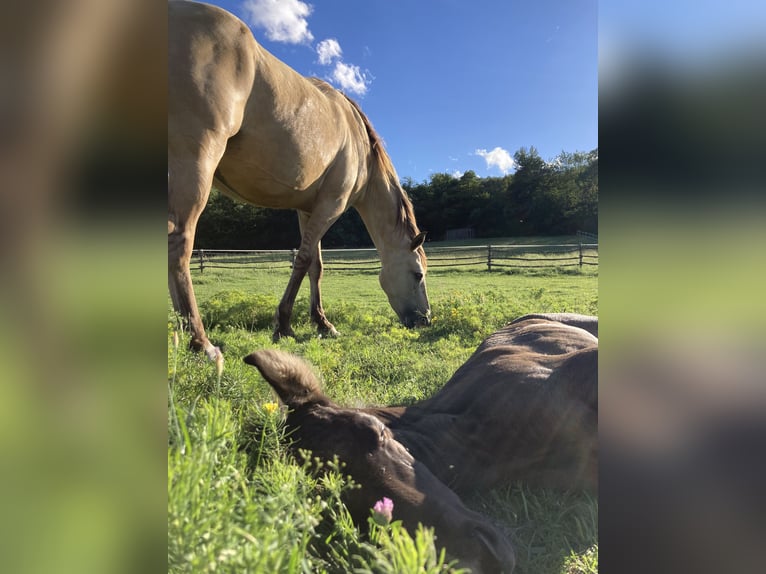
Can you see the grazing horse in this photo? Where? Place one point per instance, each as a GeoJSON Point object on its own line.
{"type": "Point", "coordinates": [264, 134]}
{"type": "Point", "coordinates": [523, 407]}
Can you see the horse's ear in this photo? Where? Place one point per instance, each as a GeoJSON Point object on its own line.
{"type": "Point", "coordinates": [418, 240]}
{"type": "Point", "coordinates": [291, 377]}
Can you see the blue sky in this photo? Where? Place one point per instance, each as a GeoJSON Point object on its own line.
{"type": "Point", "coordinates": [450, 85]}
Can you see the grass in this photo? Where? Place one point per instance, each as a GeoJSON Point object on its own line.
{"type": "Point", "coordinates": [237, 502]}
{"type": "Point", "coordinates": [517, 255]}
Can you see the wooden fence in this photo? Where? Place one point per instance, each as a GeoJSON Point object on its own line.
{"type": "Point", "coordinates": [593, 237]}
{"type": "Point", "coordinates": [479, 257]}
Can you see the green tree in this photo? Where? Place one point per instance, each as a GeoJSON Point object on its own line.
{"type": "Point", "coordinates": [229, 224]}
{"type": "Point", "coordinates": [540, 198]}
{"type": "Point", "coordinates": [525, 193]}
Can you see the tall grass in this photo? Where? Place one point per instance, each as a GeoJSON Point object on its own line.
{"type": "Point", "coordinates": [239, 502]}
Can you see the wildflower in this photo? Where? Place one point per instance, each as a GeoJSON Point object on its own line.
{"type": "Point", "coordinates": [270, 408]}
{"type": "Point", "coordinates": [383, 511]}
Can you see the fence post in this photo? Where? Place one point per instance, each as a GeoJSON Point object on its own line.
{"type": "Point", "coordinates": [489, 258]}
{"type": "Point", "coordinates": [580, 256]}
{"type": "Point", "coordinates": [293, 254]}
{"type": "Point", "coordinates": [201, 260]}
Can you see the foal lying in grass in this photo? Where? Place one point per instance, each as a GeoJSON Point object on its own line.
{"type": "Point", "coordinates": [523, 407]}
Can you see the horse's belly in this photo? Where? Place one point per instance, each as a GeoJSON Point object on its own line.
{"type": "Point", "coordinates": [249, 181]}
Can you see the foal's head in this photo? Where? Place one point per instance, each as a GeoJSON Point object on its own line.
{"type": "Point", "coordinates": [381, 465]}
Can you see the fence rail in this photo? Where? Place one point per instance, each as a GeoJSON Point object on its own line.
{"type": "Point", "coordinates": [587, 235]}
{"type": "Point", "coordinates": [480, 257]}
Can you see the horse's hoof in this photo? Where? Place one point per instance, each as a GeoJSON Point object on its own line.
{"type": "Point", "coordinates": [282, 333]}
{"type": "Point", "coordinates": [330, 333]}
{"type": "Point", "coordinates": [213, 352]}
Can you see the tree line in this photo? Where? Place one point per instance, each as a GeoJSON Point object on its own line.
{"type": "Point", "coordinates": [558, 197]}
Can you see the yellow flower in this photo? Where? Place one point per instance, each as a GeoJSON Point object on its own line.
{"type": "Point", "coordinates": [270, 408]}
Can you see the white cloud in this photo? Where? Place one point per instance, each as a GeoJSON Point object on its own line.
{"type": "Point", "coordinates": [457, 174]}
{"type": "Point", "coordinates": [283, 20]}
{"type": "Point", "coordinates": [349, 78]}
{"type": "Point", "coordinates": [498, 158]}
{"type": "Point", "coordinates": [328, 50]}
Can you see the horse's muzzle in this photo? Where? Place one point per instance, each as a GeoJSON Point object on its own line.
{"type": "Point", "coordinates": [417, 319]}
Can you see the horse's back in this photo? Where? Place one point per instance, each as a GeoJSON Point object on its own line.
{"type": "Point", "coordinates": [211, 65]}
{"type": "Point", "coordinates": [293, 132]}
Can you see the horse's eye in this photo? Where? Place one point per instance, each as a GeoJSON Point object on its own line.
{"type": "Point", "coordinates": [418, 277]}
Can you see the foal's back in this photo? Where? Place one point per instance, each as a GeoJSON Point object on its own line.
{"type": "Point", "coordinates": [524, 406]}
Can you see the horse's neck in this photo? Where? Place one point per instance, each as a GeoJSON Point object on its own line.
{"type": "Point", "coordinates": [379, 210]}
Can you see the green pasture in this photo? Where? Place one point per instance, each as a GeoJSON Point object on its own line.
{"type": "Point", "coordinates": [238, 502]}
{"type": "Point", "coordinates": [518, 255]}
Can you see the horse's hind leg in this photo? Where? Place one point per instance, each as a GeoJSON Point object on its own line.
{"type": "Point", "coordinates": [190, 177]}
{"type": "Point", "coordinates": [324, 327]}
{"type": "Point", "coordinates": [313, 228]}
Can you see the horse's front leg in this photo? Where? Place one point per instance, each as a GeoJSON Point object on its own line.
{"type": "Point", "coordinates": [313, 228]}
{"type": "Point", "coordinates": [190, 177]}
{"type": "Point", "coordinates": [324, 327]}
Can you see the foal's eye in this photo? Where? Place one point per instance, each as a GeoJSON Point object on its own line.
{"type": "Point", "coordinates": [418, 277]}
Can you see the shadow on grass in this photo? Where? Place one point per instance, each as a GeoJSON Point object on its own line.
{"type": "Point", "coordinates": [552, 531]}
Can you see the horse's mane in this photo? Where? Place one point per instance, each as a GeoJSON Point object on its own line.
{"type": "Point", "coordinates": [382, 163]}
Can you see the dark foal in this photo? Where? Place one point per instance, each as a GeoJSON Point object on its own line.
{"type": "Point", "coordinates": [523, 407]}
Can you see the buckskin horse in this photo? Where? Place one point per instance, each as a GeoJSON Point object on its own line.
{"type": "Point", "coordinates": [523, 407]}
{"type": "Point", "coordinates": [240, 119]}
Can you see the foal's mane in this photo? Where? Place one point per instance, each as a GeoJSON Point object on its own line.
{"type": "Point", "coordinates": [382, 163]}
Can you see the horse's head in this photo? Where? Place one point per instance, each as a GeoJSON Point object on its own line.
{"type": "Point", "coordinates": [381, 465]}
{"type": "Point", "coordinates": [403, 278]}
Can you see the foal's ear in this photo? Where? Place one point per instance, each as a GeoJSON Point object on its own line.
{"type": "Point", "coordinates": [290, 376]}
{"type": "Point", "coordinates": [418, 240]}
{"type": "Point", "coordinates": [498, 552]}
